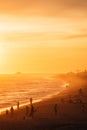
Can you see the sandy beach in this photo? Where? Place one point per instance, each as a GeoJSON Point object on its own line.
{"type": "Point", "coordinates": [71, 113]}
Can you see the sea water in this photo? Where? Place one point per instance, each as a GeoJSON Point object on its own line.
{"type": "Point", "coordinates": [21, 87]}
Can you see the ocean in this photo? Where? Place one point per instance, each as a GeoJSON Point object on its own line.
{"type": "Point", "coordinates": [21, 87]}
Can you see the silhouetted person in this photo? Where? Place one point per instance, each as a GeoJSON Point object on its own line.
{"type": "Point", "coordinates": [7, 112]}
{"type": "Point", "coordinates": [55, 109]}
{"type": "Point", "coordinates": [27, 110]}
{"type": "Point", "coordinates": [12, 110]}
{"type": "Point", "coordinates": [32, 111]}
{"type": "Point", "coordinates": [30, 101]}
{"type": "Point", "coordinates": [18, 105]}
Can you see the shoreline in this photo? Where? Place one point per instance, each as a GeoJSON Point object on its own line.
{"type": "Point", "coordinates": [3, 110]}
{"type": "Point", "coordinates": [69, 114]}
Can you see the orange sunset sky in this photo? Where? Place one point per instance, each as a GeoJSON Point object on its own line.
{"type": "Point", "coordinates": [44, 36]}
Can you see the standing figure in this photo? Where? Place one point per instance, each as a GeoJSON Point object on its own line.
{"type": "Point", "coordinates": [12, 110]}
{"type": "Point", "coordinates": [32, 111]}
{"type": "Point", "coordinates": [31, 101]}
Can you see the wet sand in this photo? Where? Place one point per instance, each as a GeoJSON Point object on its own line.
{"type": "Point", "coordinates": [71, 112]}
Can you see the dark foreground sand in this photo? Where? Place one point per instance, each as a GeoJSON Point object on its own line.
{"type": "Point", "coordinates": [71, 114]}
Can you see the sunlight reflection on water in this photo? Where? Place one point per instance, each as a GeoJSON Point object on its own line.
{"type": "Point", "coordinates": [14, 89]}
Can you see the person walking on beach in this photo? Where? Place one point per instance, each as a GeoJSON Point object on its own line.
{"type": "Point", "coordinates": [31, 101]}
{"type": "Point", "coordinates": [12, 110]}
{"type": "Point", "coordinates": [55, 109]}
{"type": "Point", "coordinates": [32, 111]}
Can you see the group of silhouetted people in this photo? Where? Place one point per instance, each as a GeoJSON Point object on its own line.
{"type": "Point", "coordinates": [30, 110]}
{"type": "Point", "coordinates": [12, 110]}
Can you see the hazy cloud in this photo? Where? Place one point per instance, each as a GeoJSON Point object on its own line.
{"type": "Point", "coordinates": [76, 36]}
{"type": "Point", "coordinates": [43, 7]}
